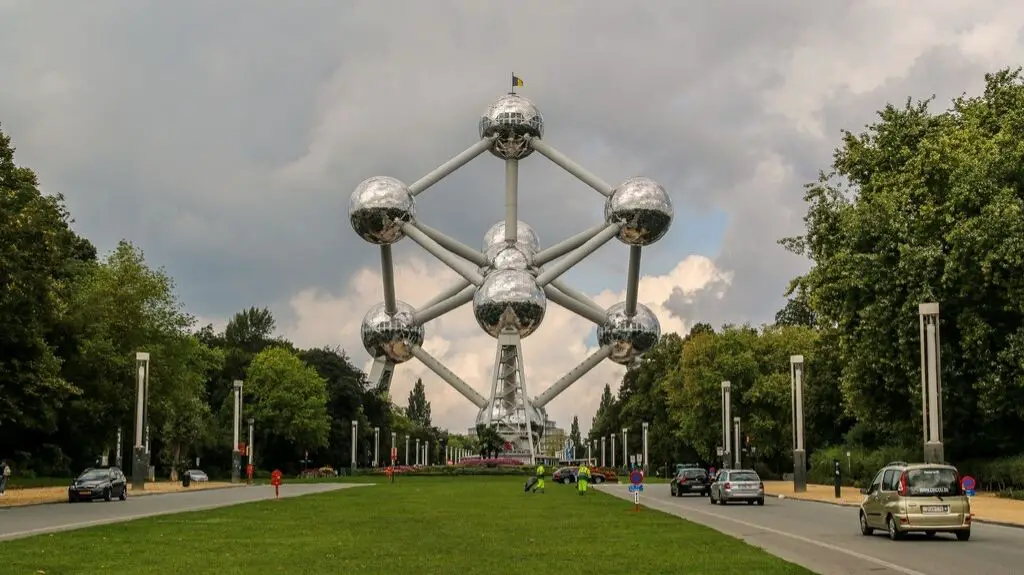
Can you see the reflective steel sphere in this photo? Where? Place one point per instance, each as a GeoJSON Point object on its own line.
{"type": "Point", "coordinates": [526, 239]}
{"type": "Point", "coordinates": [499, 414]}
{"type": "Point", "coordinates": [509, 298]}
{"type": "Point", "coordinates": [644, 210]}
{"type": "Point", "coordinates": [630, 337]}
{"type": "Point", "coordinates": [509, 258]}
{"type": "Point", "coordinates": [378, 208]}
{"type": "Point", "coordinates": [393, 336]}
{"type": "Point", "coordinates": [513, 120]}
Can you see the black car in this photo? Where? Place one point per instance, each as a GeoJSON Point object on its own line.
{"type": "Point", "coordinates": [96, 483]}
{"type": "Point", "coordinates": [690, 480]}
{"type": "Point", "coordinates": [568, 475]}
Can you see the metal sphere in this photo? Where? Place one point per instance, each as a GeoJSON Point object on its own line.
{"type": "Point", "coordinates": [509, 258]}
{"type": "Point", "coordinates": [379, 207]}
{"type": "Point", "coordinates": [512, 120]}
{"type": "Point", "coordinates": [500, 414]}
{"type": "Point", "coordinates": [644, 210]}
{"type": "Point", "coordinates": [630, 337]}
{"type": "Point", "coordinates": [527, 239]}
{"type": "Point", "coordinates": [391, 336]}
{"type": "Point", "coordinates": [509, 298]}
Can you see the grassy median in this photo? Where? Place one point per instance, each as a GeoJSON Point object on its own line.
{"type": "Point", "coordinates": [453, 526]}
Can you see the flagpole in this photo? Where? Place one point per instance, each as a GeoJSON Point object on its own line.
{"type": "Point", "coordinates": [513, 83]}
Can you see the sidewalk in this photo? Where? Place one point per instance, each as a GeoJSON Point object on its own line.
{"type": "Point", "coordinates": [985, 506]}
{"type": "Point", "coordinates": [35, 495]}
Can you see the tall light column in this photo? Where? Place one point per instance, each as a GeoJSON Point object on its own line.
{"type": "Point", "coordinates": [796, 371]}
{"type": "Point", "coordinates": [419, 452]}
{"type": "Point", "coordinates": [931, 383]}
{"type": "Point", "coordinates": [590, 444]}
{"type": "Point", "coordinates": [737, 451]}
{"type": "Point", "coordinates": [646, 462]}
{"type": "Point", "coordinates": [355, 443]}
{"type": "Point", "coordinates": [604, 446]}
{"type": "Point", "coordinates": [248, 448]}
{"type": "Point", "coordinates": [376, 446]}
{"type": "Point", "coordinates": [727, 424]}
{"type": "Point", "coordinates": [236, 455]}
{"type": "Point", "coordinates": [394, 447]}
{"type": "Point", "coordinates": [406, 460]}
{"type": "Point", "coordinates": [140, 461]}
{"type": "Point", "coordinates": [613, 450]}
{"type": "Point", "coordinates": [625, 447]}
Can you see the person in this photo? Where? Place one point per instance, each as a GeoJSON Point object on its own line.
{"type": "Point", "coordinates": [582, 478]}
{"type": "Point", "coordinates": [539, 486]}
{"type": "Point", "coordinates": [5, 476]}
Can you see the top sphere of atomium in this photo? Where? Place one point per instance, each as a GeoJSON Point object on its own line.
{"type": "Point", "coordinates": [391, 336]}
{"type": "Point", "coordinates": [512, 121]}
{"type": "Point", "coordinates": [644, 210]}
{"type": "Point", "coordinates": [629, 337]}
{"type": "Point", "coordinates": [378, 208]}
{"type": "Point", "coordinates": [509, 298]}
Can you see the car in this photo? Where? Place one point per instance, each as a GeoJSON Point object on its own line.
{"type": "Point", "coordinates": [690, 480]}
{"type": "Point", "coordinates": [567, 475]}
{"type": "Point", "coordinates": [737, 485]}
{"type": "Point", "coordinates": [916, 497]}
{"type": "Point", "coordinates": [197, 475]}
{"type": "Point", "coordinates": [98, 483]}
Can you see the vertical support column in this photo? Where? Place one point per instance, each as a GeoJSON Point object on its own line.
{"type": "Point", "coordinates": [355, 444]}
{"type": "Point", "coordinates": [376, 446]}
{"type": "Point", "coordinates": [647, 461]}
{"type": "Point", "coordinates": [625, 447]}
{"type": "Point", "coordinates": [931, 383]}
{"type": "Point", "coordinates": [511, 200]}
{"type": "Point", "coordinates": [738, 459]}
{"type": "Point", "coordinates": [120, 450]}
{"type": "Point", "coordinates": [590, 445]}
{"type": "Point", "coordinates": [236, 424]}
{"type": "Point", "coordinates": [726, 424]}
{"type": "Point", "coordinates": [250, 453]}
{"type": "Point", "coordinates": [426, 453]}
{"type": "Point", "coordinates": [796, 373]}
{"type": "Point", "coordinates": [140, 461]}
{"type": "Point", "coordinates": [419, 452]}
{"type": "Point", "coordinates": [604, 450]}
{"type": "Point", "coordinates": [406, 460]}
{"type": "Point", "coordinates": [613, 450]}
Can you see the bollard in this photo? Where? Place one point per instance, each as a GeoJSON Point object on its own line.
{"type": "Point", "coordinates": [275, 480]}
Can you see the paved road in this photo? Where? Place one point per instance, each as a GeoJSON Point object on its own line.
{"type": "Point", "coordinates": [17, 522]}
{"type": "Point", "coordinates": [826, 538]}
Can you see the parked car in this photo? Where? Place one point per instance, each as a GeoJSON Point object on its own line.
{"type": "Point", "coordinates": [690, 480]}
{"type": "Point", "coordinates": [737, 485]}
{"type": "Point", "coordinates": [197, 475]}
{"type": "Point", "coordinates": [908, 497]}
{"type": "Point", "coordinates": [568, 475]}
{"type": "Point", "coordinates": [96, 483]}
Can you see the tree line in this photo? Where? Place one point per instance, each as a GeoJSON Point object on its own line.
{"type": "Point", "coordinates": [920, 206]}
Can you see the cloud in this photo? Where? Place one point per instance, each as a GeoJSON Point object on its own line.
{"type": "Point", "coordinates": [456, 339]}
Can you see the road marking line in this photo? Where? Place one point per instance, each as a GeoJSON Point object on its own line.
{"type": "Point", "coordinates": [801, 538]}
{"type": "Point", "coordinates": [133, 517]}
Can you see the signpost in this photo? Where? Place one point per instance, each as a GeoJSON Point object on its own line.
{"type": "Point", "coordinates": [636, 485]}
{"type": "Point", "coordinates": [391, 469]}
{"type": "Point", "coordinates": [968, 483]}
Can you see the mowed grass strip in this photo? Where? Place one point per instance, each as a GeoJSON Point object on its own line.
{"type": "Point", "coordinates": [460, 526]}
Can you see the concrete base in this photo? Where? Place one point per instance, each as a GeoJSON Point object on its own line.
{"type": "Point", "coordinates": [933, 452]}
{"type": "Point", "coordinates": [799, 471]}
{"type": "Point", "coordinates": [140, 467]}
{"type": "Point", "coordinates": [236, 466]}
{"type": "Point", "coordinates": [727, 460]}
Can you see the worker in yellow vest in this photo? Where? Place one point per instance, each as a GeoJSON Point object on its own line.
{"type": "Point", "coordinates": [539, 486]}
{"type": "Point", "coordinates": [582, 478]}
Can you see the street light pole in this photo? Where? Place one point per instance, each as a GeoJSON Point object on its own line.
{"type": "Point", "coordinates": [376, 445]}
{"type": "Point", "coordinates": [646, 461]}
{"type": "Point", "coordinates": [249, 450]}
{"type": "Point", "coordinates": [236, 455]}
{"type": "Point", "coordinates": [140, 459]}
{"type": "Point", "coordinates": [796, 365]}
{"type": "Point", "coordinates": [355, 445]}
{"type": "Point", "coordinates": [625, 447]}
{"type": "Point", "coordinates": [726, 420]}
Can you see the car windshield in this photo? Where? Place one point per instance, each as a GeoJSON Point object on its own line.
{"type": "Point", "coordinates": [195, 472]}
{"type": "Point", "coordinates": [94, 475]}
{"type": "Point", "coordinates": [743, 476]}
{"type": "Point", "coordinates": [933, 481]}
{"type": "Point", "coordinates": [693, 473]}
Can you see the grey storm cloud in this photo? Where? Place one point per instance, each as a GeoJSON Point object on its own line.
{"type": "Point", "coordinates": [225, 137]}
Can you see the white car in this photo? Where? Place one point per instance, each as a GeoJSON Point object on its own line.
{"type": "Point", "coordinates": [197, 475]}
{"type": "Point", "coordinates": [737, 485]}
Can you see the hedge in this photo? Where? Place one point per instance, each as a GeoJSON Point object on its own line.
{"type": "Point", "coordinates": [454, 470]}
{"type": "Point", "coordinates": [1005, 474]}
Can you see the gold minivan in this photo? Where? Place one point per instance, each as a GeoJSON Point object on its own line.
{"type": "Point", "coordinates": [916, 497]}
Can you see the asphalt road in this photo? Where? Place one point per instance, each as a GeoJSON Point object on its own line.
{"type": "Point", "coordinates": [17, 522]}
{"type": "Point", "coordinates": [826, 538]}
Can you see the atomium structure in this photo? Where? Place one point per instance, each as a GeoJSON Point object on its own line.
{"type": "Point", "coordinates": [511, 278]}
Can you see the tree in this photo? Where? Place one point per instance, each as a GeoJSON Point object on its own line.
{"type": "Point", "coordinates": [575, 439]}
{"type": "Point", "coordinates": [289, 399]}
{"type": "Point", "coordinates": [488, 440]}
{"type": "Point", "coordinates": [418, 409]}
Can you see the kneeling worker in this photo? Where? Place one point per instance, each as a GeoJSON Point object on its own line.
{"type": "Point", "coordinates": [582, 478]}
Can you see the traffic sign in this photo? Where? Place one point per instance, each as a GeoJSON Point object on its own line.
{"type": "Point", "coordinates": [636, 477]}
{"type": "Point", "coordinates": [720, 451]}
{"type": "Point", "coordinates": [968, 483]}
{"type": "Point", "coordinates": [970, 492]}
{"type": "Point", "coordinates": [636, 488]}
{"type": "Point", "coordinates": [632, 459]}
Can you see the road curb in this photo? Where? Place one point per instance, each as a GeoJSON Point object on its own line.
{"type": "Point", "coordinates": [143, 494]}
{"type": "Point", "coordinates": [844, 504]}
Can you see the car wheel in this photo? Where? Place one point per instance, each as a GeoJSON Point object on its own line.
{"type": "Point", "coordinates": [71, 499]}
{"type": "Point", "coordinates": [722, 501]}
{"type": "Point", "coordinates": [894, 533]}
{"type": "Point", "coordinates": [598, 480]}
{"type": "Point", "coordinates": [760, 502]}
{"type": "Point", "coordinates": [124, 493]}
{"type": "Point", "coordinates": [929, 534]}
{"type": "Point", "coordinates": [865, 529]}
{"type": "Point", "coordinates": [672, 491]}
{"type": "Point", "coordinates": [106, 494]}
{"type": "Point", "coordinates": [711, 498]}
{"type": "Point", "coordinates": [964, 535]}
{"type": "Point", "coordinates": [567, 481]}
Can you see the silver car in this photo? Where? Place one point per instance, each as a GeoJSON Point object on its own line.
{"type": "Point", "coordinates": [737, 485]}
{"type": "Point", "coordinates": [197, 475]}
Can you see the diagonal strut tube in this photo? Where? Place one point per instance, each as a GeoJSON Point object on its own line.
{"type": "Point", "coordinates": [445, 169]}
{"type": "Point", "coordinates": [570, 378]}
{"type": "Point", "coordinates": [579, 308]}
{"type": "Point", "coordinates": [452, 291]}
{"type": "Point", "coordinates": [447, 258]}
{"type": "Point", "coordinates": [578, 255]}
{"type": "Point", "coordinates": [444, 306]}
{"type": "Point", "coordinates": [453, 245]}
{"type": "Point", "coordinates": [572, 167]}
{"type": "Point", "coordinates": [576, 294]}
{"type": "Point", "coordinates": [446, 374]}
{"type": "Point", "coordinates": [565, 246]}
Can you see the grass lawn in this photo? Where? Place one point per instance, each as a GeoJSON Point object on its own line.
{"type": "Point", "coordinates": [461, 526]}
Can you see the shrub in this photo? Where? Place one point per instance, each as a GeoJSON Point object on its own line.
{"type": "Point", "coordinates": [1005, 474]}
{"type": "Point", "coordinates": [860, 468]}
{"type": "Point", "coordinates": [454, 470]}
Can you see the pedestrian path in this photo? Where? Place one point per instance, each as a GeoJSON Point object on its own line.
{"type": "Point", "coordinates": [35, 495]}
{"type": "Point", "coordinates": [985, 506]}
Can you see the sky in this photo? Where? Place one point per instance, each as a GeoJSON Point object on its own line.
{"type": "Point", "coordinates": [224, 138]}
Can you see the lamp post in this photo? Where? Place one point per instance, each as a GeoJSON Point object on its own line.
{"type": "Point", "coordinates": [355, 447]}
{"type": "Point", "coordinates": [419, 451]}
{"type": "Point", "coordinates": [140, 458]}
{"type": "Point", "coordinates": [931, 383]}
{"type": "Point", "coordinates": [236, 454]}
{"type": "Point", "coordinates": [646, 463]}
{"type": "Point", "coordinates": [625, 447]}
{"type": "Point", "coordinates": [406, 460]}
{"type": "Point", "coordinates": [394, 446]}
{"type": "Point", "coordinates": [249, 451]}
{"type": "Point", "coordinates": [376, 445]}
{"type": "Point", "coordinates": [604, 446]}
{"type": "Point", "coordinates": [726, 419]}
{"type": "Point", "coordinates": [736, 439]}
{"type": "Point", "coordinates": [796, 369]}
{"type": "Point", "coordinates": [613, 449]}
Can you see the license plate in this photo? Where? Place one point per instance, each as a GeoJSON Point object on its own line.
{"type": "Point", "coordinates": [85, 492]}
{"type": "Point", "coordinates": [934, 509]}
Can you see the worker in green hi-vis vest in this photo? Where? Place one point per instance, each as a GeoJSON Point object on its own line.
{"type": "Point", "coordinates": [582, 478]}
{"type": "Point", "coordinates": [539, 486]}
